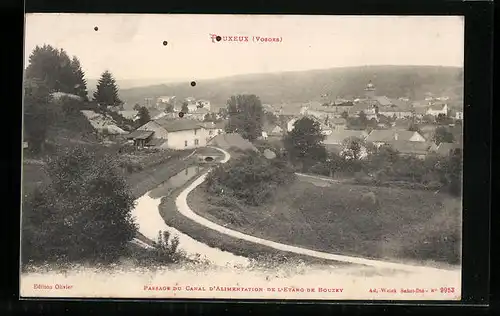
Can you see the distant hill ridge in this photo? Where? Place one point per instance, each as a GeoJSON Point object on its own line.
{"type": "Point", "coordinates": [314, 85]}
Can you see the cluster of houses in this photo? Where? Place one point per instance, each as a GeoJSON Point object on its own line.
{"type": "Point", "coordinates": [372, 106]}
{"type": "Point", "coordinates": [407, 143]}
{"type": "Point", "coordinates": [401, 113]}
{"type": "Point", "coordinates": [166, 130]}
{"type": "Point", "coordinates": [197, 109]}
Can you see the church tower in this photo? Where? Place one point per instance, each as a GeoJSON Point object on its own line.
{"type": "Point", "coordinates": [370, 90]}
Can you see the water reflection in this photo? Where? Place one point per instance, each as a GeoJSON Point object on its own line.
{"type": "Point", "coordinates": [175, 182]}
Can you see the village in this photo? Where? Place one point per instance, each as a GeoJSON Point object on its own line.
{"type": "Point", "coordinates": [414, 128]}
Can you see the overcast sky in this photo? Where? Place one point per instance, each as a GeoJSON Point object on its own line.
{"type": "Point", "coordinates": [130, 46]}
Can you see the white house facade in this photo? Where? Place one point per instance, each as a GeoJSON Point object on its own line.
{"type": "Point", "coordinates": [290, 124]}
{"type": "Point", "coordinates": [435, 110]}
{"type": "Point", "coordinates": [178, 134]}
{"type": "Point", "coordinates": [186, 139]}
{"type": "Point", "coordinates": [204, 103]}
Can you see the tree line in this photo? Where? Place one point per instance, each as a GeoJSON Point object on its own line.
{"type": "Point", "coordinates": [51, 70]}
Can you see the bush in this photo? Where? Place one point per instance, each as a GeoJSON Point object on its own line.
{"type": "Point", "coordinates": [83, 215]}
{"type": "Point", "coordinates": [250, 178]}
{"type": "Point", "coordinates": [165, 251]}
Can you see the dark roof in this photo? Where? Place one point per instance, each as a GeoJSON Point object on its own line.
{"type": "Point", "coordinates": [437, 107]}
{"type": "Point", "coordinates": [380, 135]}
{"type": "Point", "coordinates": [213, 125]}
{"type": "Point", "coordinates": [383, 100]}
{"type": "Point", "coordinates": [360, 106]}
{"type": "Point", "coordinates": [339, 136]}
{"type": "Point", "coordinates": [269, 128]}
{"type": "Point", "coordinates": [392, 109]}
{"type": "Point", "coordinates": [338, 120]}
{"type": "Point", "coordinates": [156, 142]}
{"type": "Point", "coordinates": [420, 110]}
{"type": "Point", "coordinates": [175, 125]}
{"type": "Point", "coordinates": [407, 147]}
{"type": "Point", "coordinates": [138, 134]}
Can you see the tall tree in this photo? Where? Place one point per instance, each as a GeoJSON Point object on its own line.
{"type": "Point", "coordinates": [223, 113]}
{"type": "Point", "coordinates": [144, 116]}
{"type": "Point", "coordinates": [107, 91]}
{"type": "Point", "coordinates": [245, 116]}
{"type": "Point", "coordinates": [185, 107]}
{"type": "Point", "coordinates": [413, 127]}
{"type": "Point", "coordinates": [443, 135]}
{"type": "Point", "coordinates": [37, 113]}
{"type": "Point", "coordinates": [57, 70]}
{"type": "Point", "coordinates": [80, 84]}
{"type": "Point", "coordinates": [65, 76]}
{"type": "Point", "coordinates": [84, 214]}
{"type": "Point", "coordinates": [43, 65]}
{"type": "Point", "coordinates": [169, 108]}
{"type": "Point", "coordinates": [354, 148]}
{"type": "Point", "coordinates": [304, 143]}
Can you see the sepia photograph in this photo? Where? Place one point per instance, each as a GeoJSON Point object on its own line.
{"type": "Point", "coordinates": [286, 157]}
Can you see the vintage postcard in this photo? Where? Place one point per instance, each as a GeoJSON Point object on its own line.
{"type": "Point", "coordinates": [242, 157]}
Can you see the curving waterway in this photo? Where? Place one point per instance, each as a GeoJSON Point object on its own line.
{"type": "Point", "coordinates": [150, 222]}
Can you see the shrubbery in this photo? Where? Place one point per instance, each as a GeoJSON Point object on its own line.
{"type": "Point", "coordinates": [165, 251]}
{"type": "Point", "coordinates": [250, 178]}
{"type": "Point", "coordinates": [83, 215]}
{"type": "Point", "coordinates": [384, 166]}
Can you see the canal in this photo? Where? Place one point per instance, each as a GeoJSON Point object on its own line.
{"type": "Point", "coordinates": [147, 216]}
{"type": "Point", "coordinates": [176, 181]}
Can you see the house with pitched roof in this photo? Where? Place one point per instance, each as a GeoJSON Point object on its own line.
{"type": "Point", "coordinates": [437, 109]}
{"type": "Point", "coordinates": [380, 137]}
{"type": "Point", "coordinates": [163, 101]}
{"type": "Point", "coordinates": [291, 124]}
{"type": "Point", "coordinates": [177, 133]}
{"type": "Point", "coordinates": [409, 148]}
{"type": "Point", "coordinates": [213, 129]}
{"type": "Point", "coordinates": [395, 111]}
{"type": "Point", "coordinates": [140, 138]}
{"type": "Point", "coordinates": [130, 114]}
{"type": "Point", "coordinates": [232, 141]}
{"type": "Point", "coordinates": [197, 114]}
{"type": "Point", "coordinates": [333, 142]}
{"type": "Point", "coordinates": [271, 131]}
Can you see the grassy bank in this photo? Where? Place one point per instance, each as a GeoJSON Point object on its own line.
{"type": "Point", "coordinates": [143, 170]}
{"type": "Point", "coordinates": [212, 238]}
{"type": "Point", "coordinates": [147, 179]}
{"type": "Point", "coordinates": [374, 222]}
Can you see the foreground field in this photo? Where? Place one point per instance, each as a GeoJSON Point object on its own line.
{"type": "Point", "coordinates": [385, 223]}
